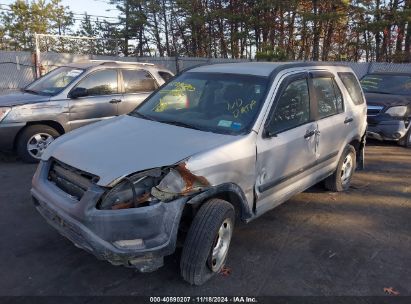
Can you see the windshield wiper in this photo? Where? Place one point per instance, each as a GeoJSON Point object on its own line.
{"type": "Point", "coordinates": [179, 123]}
{"type": "Point", "coordinates": [378, 92]}
{"type": "Point", "coordinates": [137, 114]}
{"type": "Point", "coordinates": [31, 91]}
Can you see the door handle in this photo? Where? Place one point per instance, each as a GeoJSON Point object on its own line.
{"type": "Point", "coordinates": [115, 100]}
{"type": "Point", "coordinates": [309, 134]}
{"type": "Point", "coordinates": [348, 120]}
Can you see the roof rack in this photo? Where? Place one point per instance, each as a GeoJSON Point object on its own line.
{"type": "Point", "coordinates": [122, 62]}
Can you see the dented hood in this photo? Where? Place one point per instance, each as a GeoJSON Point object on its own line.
{"type": "Point", "coordinates": [118, 147]}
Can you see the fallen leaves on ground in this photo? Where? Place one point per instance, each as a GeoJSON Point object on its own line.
{"type": "Point", "coordinates": [225, 271]}
{"type": "Point", "coordinates": [391, 291]}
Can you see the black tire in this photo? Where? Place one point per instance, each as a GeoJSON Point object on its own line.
{"type": "Point", "coordinates": [196, 265]}
{"type": "Point", "coordinates": [335, 182]}
{"type": "Point", "coordinates": [406, 140]}
{"type": "Point", "coordinates": [26, 135]}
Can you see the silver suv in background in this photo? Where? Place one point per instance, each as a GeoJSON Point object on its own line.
{"type": "Point", "coordinates": [250, 136]}
{"type": "Point", "coordinates": [72, 96]}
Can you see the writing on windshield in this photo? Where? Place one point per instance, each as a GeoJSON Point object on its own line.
{"type": "Point", "coordinates": [214, 102]}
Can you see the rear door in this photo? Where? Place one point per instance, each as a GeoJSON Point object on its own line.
{"type": "Point", "coordinates": [137, 86]}
{"type": "Point", "coordinates": [101, 101]}
{"type": "Point", "coordinates": [286, 150]}
{"type": "Point", "coordinates": [334, 124]}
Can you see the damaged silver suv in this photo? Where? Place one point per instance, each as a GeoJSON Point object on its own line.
{"type": "Point", "coordinates": [247, 137]}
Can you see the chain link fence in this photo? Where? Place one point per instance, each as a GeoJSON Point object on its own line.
{"type": "Point", "coordinates": [17, 69]}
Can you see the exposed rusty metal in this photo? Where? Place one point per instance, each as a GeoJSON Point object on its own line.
{"type": "Point", "coordinates": [192, 181]}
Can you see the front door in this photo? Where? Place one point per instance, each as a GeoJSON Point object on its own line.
{"type": "Point", "coordinates": [286, 149]}
{"type": "Point", "coordinates": [101, 100]}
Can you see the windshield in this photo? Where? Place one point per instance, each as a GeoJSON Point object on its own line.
{"type": "Point", "coordinates": [387, 84]}
{"type": "Point", "coordinates": [55, 81]}
{"type": "Point", "coordinates": [215, 102]}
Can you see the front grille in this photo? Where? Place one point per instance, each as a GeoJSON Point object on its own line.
{"type": "Point", "coordinates": [374, 110]}
{"type": "Point", "coordinates": [72, 181]}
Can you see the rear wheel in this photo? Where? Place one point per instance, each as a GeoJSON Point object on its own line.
{"type": "Point", "coordinates": [34, 140]}
{"type": "Point", "coordinates": [206, 246]}
{"type": "Point", "coordinates": [341, 178]}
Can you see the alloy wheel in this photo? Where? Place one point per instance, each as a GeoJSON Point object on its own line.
{"type": "Point", "coordinates": [38, 143]}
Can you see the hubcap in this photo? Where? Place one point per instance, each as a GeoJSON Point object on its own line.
{"type": "Point", "coordinates": [347, 168]}
{"type": "Point", "coordinates": [38, 143]}
{"type": "Point", "coordinates": [221, 244]}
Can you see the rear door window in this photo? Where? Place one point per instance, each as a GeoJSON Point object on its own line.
{"type": "Point", "coordinates": [328, 96]}
{"type": "Point", "coordinates": [138, 81]}
{"type": "Point", "coordinates": [353, 87]}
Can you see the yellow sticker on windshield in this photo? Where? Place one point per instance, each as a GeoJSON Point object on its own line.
{"type": "Point", "coordinates": [175, 98]}
{"type": "Point", "coordinates": [180, 88]}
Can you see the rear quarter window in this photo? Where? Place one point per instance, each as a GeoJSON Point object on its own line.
{"type": "Point", "coordinates": [166, 76]}
{"type": "Point", "coordinates": [138, 81]}
{"type": "Point", "coordinates": [353, 87]}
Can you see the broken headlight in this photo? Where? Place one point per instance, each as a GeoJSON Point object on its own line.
{"type": "Point", "coordinates": [131, 192]}
{"type": "Point", "coordinates": [148, 188]}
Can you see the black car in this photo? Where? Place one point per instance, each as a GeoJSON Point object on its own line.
{"type": "Point", "coordinates": [388, 98]}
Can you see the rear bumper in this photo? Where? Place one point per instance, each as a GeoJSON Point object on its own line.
{"type": "Point", "coordinates": [8, 133]}
{"type": "Point", "coordinates": [388, 130]}
{"type": "Point", "coordinates": [96, 231]}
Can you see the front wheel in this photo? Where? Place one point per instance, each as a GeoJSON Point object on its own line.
{"type": "Point", "coordinates": [33, 140]}
{"type": "Point", "coordinates": [406, 140]}
{"type": "Point", "coordinates": [340, 180]}
{"type": "Point", "coordinates": [206, 246]}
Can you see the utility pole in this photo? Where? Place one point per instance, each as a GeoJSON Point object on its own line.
{"type": "Point", "coordinates": [37, 55]}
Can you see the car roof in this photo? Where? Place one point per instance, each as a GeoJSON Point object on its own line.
{"type": "Point", "coordinates": [258, 68]}
{"type": "Point", "coordinates": [109, 63]}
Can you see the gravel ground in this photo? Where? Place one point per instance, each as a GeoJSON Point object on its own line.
{"type": "Point", "coordinates": [318, 243]}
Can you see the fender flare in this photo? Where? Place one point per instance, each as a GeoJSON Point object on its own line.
{"type": "Point", "coordinates": [240, 201]}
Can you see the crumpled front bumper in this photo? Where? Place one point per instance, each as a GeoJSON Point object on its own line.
{"type": "Point", "coordinates": [96, 231]}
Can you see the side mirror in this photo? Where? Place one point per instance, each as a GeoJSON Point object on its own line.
{"type": "Point", "coordinates": [78, 92]}
{"type": "Point", "coordinates": [268, 134]}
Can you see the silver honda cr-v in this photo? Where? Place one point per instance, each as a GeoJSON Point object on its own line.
{"type": "Point", "coordinates": [247, 138]}
{"type": "Point", "coordinates": [72, 96]}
